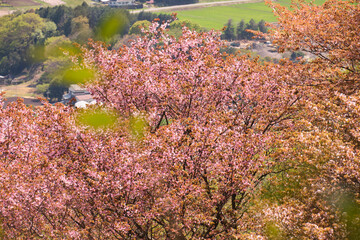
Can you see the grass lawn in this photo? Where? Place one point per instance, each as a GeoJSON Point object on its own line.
{"type": "Point", "coordinates": [217, 17]}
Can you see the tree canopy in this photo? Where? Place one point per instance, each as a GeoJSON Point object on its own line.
{"type": "Point", "coordinates": [17, 35]}
{"type": "Point", "coordinates": [191, 143]}
{"type": "Point", "coordinates": [174, 2]}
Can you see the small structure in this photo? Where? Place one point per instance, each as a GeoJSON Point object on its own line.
{"type": "Point", "coordinates": [84, 104]}
{"type": "Point", "coordinates": [77, 94]}
{"type": "Point", "coordinates": [121, 3]}
{"type": "Point", "coordinates": [2, 79]}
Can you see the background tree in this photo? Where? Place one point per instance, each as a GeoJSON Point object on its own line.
{"type": "Point", "coordinates": [251, 25]}
{"type": "Point", "coordinates": [80, 29]}
{"type": "Point", "coordinates": [295, 55]}
{"type": "Point", "coordinates": [176, 27]}
{"type": "Point", "coordinates": [174, 2]}
{"type": "Point", "coordinates": [51, 82]}
{"type": "Point", "coordinates": [151, 16]}
{"type": "Point", "coordinates": [137, 27]}
{"type": "Point", "coordinates": [240, 29]}
{"type": "Point", "coordinates": [56, 89]}
{"type": "Point", "coordinates": [229, 32]}
{"type": "Point", "coordinates": [17, 35]}
{"type": "Point", "coordinates": [262, 26]}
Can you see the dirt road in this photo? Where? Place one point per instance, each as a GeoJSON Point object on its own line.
{"type": "Point", "coordinates": [193, 6]}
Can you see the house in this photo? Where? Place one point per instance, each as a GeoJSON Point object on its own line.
{"type": "Point", "coordinates": [78, 96]}
{"type": "Point", "coordinates": [83, 100]}
{"type": "Point", "coordinates": [121, 3]}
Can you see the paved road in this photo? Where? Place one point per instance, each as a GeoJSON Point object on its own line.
{"type": "Point", "coordinates": [192, 6]}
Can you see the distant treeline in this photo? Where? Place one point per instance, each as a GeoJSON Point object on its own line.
{"type": "Point", "coordinates": [63, 16]}
{"type": "Point", "coordinates": [21, 33]}
{"type": "Point", "coordinates": [239, 31]}
{"type": "Point", "coordinates": [174, 2]}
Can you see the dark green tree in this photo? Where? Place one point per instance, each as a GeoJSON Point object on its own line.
{"type": "Point", "coordinates": [296, 55]}
{"type": "Point", "coordinates": [229, 32]}
{"type": "Point", "coordinates": [174, 2]}
{"type": "Point", "coordinates": [56, 89]}
{"type": "Point", "coordinates": [240, 30]}
{"type": "Point", "coordinates": [262, 26]}
{"type": "Point", "coordinates": [81, 10]}
{"type": "Point", "coordinates": [18, 35]}
{"type": "Point", "coordinates": [251, 25]}
{"type": "Point", "coordinates": [151, 16]}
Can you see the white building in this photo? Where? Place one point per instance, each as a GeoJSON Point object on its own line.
{"type": "Point", "coordinates": [78, 96]}
{"type": "Point", "coordinates": [121, 3]}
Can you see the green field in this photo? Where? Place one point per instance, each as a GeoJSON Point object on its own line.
{"type": "Point", "coordinates": [217, 17]}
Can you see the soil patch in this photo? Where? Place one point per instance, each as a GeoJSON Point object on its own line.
{"type": "Point", "coordinates": [27, 101]}
{"type": "Point", "coordinates": [20, 3]}
{"type": "Point", "coordinates": [54, 2]}
{"type": "Point", "coordinates": [26, 88]}
{"type": "Point", "coordinates": [4, 12]}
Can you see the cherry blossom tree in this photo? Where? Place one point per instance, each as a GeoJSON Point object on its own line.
{"type": "Point", "coordinates": [321, 198]}
{"type": "Point", "coordinates": [187, 172]}
{"type": "Point", "coordinates": [198, 144]}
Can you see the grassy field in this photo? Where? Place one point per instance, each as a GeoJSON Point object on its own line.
{"type": "Point", "coordinates": [217, 17]}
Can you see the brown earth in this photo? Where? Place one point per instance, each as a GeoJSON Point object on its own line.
{"type": "Point", "coordinates": [4, 12]}
{"type": "Point", "coordinates": [27, 87]}
{"type": "Point", "coordinates": [27, 101]}
{"type": "Point", "coordinates": [54, 2]}
{"type": "Point", "coordinates": [20, 3]}
{"type": "Point", "coordinates": [23, 3]}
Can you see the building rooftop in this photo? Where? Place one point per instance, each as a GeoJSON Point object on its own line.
{"type": "Point", "coordinates": [86, 97]}
{"type": "Point", "coordinates": [74, 88]}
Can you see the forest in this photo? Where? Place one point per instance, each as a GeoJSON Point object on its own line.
{"type": "Point", "coordinates": [188, 141]}
{"type": "Point", "coordinates": [38, 38]}
{"type": "Point", "coordinates": [174, 2]}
